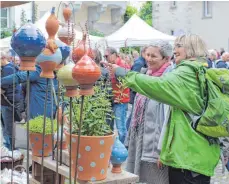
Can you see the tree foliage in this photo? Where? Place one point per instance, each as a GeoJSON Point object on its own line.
{"type": "Point", "coordinates": [23, 17]}
{"type": "Point", "coordinates": [130, 10]}
{"type": "Point", "coordinates": [146, 12]}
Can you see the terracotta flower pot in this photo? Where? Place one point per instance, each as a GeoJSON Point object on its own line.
{"type": "Point", "coordinates": [52, 24]}
{"type": "Point", "coordinates": [94, 156]}
{"type": "Point", "coordinates": [36, 144]}
{"type": "Point", "coordinates": [86, 72]}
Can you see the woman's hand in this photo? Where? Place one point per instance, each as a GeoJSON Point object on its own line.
{"type": "Point", "coordinates": [159, 164]}
{"type": "Point", "coordinates": [111, 67]}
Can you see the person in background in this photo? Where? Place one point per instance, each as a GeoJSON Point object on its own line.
{"type": "Point", "coordinates": [212, 58]}
{"type": "Point", "coordinates": [221, 51]}
{"type": "Point", "coordinates": [37, 91]}
{"type": "Point", "coordinates": [121, 55]}
{"type": "Point", "coordinates": [98, 58]}
{"type": "Point", "coordinates": [135, 55]}
{"type": "Point", "coordinates": [224, 61]}
{"type": "Point", "coordinates": [147, 121]}
{"type": "Point", "coordinates": [137, 66]}
{"type": "Point", "coordinates": [10, 99]}
{"type": "Point", "coordinates": [129, 60]}
{"type": "Point", "coordinates": [190, 157]}
{"type": "Point", "coordinates": [121, 96]}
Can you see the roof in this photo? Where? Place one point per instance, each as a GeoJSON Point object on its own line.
{"type": "Point", "coordinates": [6, 4]}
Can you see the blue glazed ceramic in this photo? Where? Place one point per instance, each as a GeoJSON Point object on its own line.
{"type": "Point", "coordinates": [118, 155]}
{"type": "Point", "coordinates": [49, 59]}
{"type": "Point", "coordinates": [28, 41]}
{"type": "Point", "coordinates": [56, 57]}
{"type": "Point", "coordinates": [65, 49]}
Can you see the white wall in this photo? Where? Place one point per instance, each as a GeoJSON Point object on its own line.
{"type": "Point", "coordinates": [16, 13]}
{"type": "Point", "coordinates": [188, 17]}
{"type": "Point", "coordinates": [215, 30]}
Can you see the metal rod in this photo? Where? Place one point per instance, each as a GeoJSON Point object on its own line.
{"type": "Point", "coordinates": [12, 136]}
{"type": "Point", "coordinates": [52, 130]}
{"type": "Point", "coordinates": [43, 135]}
{"type": "Point", "coordinates": [27, 121]}
{"type": "Point", "coordinates": [70, 149]}
{"type": "Point", "coordinates": [54, 92]}
{"type": "Point", "coordinates": [62, 128]}
{"type": "Point", "coordinates": [57, 139]}
{"type": "Point", "coordinates": [79, 135]}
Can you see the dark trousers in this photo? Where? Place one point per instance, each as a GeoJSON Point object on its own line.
{"type": "Point", "coordinates": [7, 126]}
{"type": "Point", "coordinates": [182, 176]}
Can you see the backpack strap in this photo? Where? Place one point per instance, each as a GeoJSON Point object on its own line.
{"type": "Point", "coordinates": [203, 82]}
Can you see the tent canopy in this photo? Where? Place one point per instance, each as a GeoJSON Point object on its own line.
{"type": "Point", "coordinates": [136, 32]}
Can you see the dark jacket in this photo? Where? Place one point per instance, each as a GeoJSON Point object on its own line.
{"type": "Point", "coordinates": [137, 66]}
{"type": "Point", "coordinates": [37, 91]}
{"type": "Point", "coordinates": [9, 92]}
{"type": "Point", "coordinates": [221, 64]}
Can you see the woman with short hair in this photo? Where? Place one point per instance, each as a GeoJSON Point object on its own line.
{"type": "Point", "coordinates": [147, 121]}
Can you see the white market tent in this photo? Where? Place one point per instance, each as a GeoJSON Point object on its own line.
{"type": "Point", "coordinates": [136, 32]}
{"type": "Point", "coordinates": [5, 43]}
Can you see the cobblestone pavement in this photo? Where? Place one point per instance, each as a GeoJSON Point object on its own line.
{"type": "Point", "coordinates": [219, 177]}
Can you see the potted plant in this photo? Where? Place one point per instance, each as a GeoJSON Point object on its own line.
{"type": "Point", "coordinates": [35, 135]}
{"type": "Point", "coordinates": [96, 139]}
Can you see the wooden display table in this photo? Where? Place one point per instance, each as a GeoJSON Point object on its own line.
{"type": "Point", "coordinates": [63, 171]}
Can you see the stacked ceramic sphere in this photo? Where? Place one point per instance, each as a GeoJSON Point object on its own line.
{"type": "Point", "coordinates": [28, 42]}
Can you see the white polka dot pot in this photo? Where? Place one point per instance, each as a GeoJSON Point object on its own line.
{"type": "Point", "coordinates": [94, 156]}
{"type": "Point", "coordinates": [36, 144]}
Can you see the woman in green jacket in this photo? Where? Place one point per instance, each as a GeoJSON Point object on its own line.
{"type": "Point", "coordinates": [190, 156]}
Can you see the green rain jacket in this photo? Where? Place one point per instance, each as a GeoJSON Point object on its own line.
{"type": "Point", "coordinates": [182, 147]}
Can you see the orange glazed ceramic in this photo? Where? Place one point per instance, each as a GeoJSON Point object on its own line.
{"type": "Point", "coordinates": [67, 12]}
{"type": "Point", "coordinates": [86, 73]}
{"type": "Point", "coordinates": [27, 63]}
{"type": "Point", "coordinates": [36, 144]}
{"type": "Point", "coordinates": [52, 24]}
{"type": "Point", "coordinates": [94, 156]}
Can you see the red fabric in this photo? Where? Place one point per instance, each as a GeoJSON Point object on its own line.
{"type": "Point", "coordinates": [120, 95]}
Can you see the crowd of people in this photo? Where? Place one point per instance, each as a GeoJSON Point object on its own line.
{"type": "Point", "coordinates": [163, 147]}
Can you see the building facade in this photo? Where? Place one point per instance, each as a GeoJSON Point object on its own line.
{"type": "Point", "coordinates": [207, 19]}
{"type": "Point", "coordinates": [102, 16]}
{"type": "Point", "coordinates": [12, 16]}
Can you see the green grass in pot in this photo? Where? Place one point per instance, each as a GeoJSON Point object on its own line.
{"type": "Point", "coordinates": [96, 110]}
{"type": "Point", "coordinates": [36, 125]}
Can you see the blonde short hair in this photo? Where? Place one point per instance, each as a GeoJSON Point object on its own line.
{"type": "Point", "coordinates": [194, 46]}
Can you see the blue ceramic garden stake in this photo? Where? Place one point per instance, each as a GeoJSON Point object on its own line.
{"type": "Point", "coordinates": [28, 42]}
{"type": "Point", "coordinates": [118, 156]}
{"type": "Point", "coordinates": [65, 51]}
{"type": "Point", "coordinates": [51, 56]}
